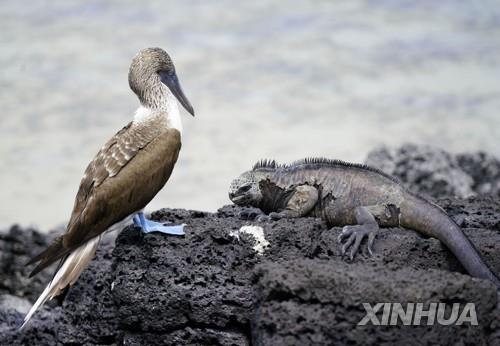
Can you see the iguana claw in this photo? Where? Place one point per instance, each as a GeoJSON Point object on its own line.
{"type": "Point", "coordinates": [275, 216]}
{"type": "Point", "coordinates": [250, 213]}
{"type": "Point", "coordinates": [263, 218]}
{"type": "Point", "coordinates": [271, 217]}
{"type": "Point", "coordinates": [355, 235]}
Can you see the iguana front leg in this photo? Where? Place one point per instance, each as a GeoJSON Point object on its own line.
{"type": "Point", "coordinates": [303, 200]}
{"type": "Point", "coordinates": [368, 219]}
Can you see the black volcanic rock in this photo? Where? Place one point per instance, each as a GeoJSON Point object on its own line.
{"type": "Point", "coordinates": [317, 302]}
{"type": "Point", "coordinates": [436, 173]}
{"type": "Point", "coordinates": [17, 246]}
{"type": "Point", "coordinates": [484, 169]}
{"type": "Point", "coordinates": [210, 287]}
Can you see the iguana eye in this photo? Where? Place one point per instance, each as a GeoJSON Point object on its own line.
{"type": "Point", "coordinates": [244, 188]}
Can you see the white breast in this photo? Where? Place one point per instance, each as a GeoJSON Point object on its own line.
{"type": "Point", "coordinates": [174, 116]}
{"type": "Point", "coordinates": [170, 111]}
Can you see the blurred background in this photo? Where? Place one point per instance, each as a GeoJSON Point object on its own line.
{"type": "Point", "coordinates": [266, 79]}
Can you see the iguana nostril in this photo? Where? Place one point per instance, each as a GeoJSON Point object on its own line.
{"type": "Point", "coordinates": [244, 189]}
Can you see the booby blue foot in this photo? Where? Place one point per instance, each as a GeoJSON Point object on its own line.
{"type": "Point", "coordinates": [148, 226]}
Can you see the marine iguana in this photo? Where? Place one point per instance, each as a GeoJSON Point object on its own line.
{"type": "Point", "coordinates": [358, 197]}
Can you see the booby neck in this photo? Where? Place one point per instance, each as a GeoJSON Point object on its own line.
{"type": "Point", "coordinates": [166, 110]}
{"type": "Point", "coordinates": [153, 79]}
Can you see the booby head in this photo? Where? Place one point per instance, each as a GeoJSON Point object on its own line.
{"type": "Point", "coordinates": [153, 79]}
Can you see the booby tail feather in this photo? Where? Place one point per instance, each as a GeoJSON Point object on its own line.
{"type": "Point", "coordinates": [67, 274]}
{"type": "Point", "coordinates": [55, 251]}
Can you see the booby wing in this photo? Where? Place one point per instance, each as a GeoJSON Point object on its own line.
{"type": "Point", "coordinates": [108, 193]}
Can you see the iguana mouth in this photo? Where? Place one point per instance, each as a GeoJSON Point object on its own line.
{"type": "Point", "coordinates": [236, 199]}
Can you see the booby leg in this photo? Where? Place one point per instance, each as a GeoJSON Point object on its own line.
{"type": "Point", "coordinates": [148, 226]}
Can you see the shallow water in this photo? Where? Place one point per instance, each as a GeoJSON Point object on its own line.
{"type": "Point", "coordinates": [309, 78]}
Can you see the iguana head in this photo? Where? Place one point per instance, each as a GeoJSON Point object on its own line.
{"type": "Point", "coordinates": [245, 189]}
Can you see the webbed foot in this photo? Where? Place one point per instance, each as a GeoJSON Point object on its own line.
{"type": "Point", "coordinates": [355, 235]}
{"type": "Point", "coordinates": [148, 226]}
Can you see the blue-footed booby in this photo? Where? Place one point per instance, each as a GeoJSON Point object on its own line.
{"type": "Point", "coordinates": [125, 175]}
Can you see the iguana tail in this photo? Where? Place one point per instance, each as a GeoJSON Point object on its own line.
{"type": "Point", "coordinates": [430, 219]}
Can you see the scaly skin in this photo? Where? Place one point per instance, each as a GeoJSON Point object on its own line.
{"type": "Point", "coordinates": [358, 197]}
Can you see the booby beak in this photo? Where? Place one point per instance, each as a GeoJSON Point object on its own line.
{"type": "Point", "coordinates": [169, 78]}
